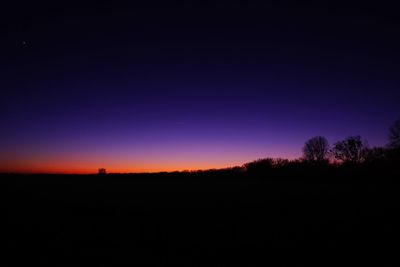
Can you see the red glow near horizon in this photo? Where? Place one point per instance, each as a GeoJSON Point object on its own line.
{"type": "Point", "coordinates": [123, 163]}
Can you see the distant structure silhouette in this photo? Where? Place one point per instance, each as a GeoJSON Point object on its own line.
{"type": "Point", "coordinates": [102, 171]}
{"type": "Point", "coordinates": [316, 149]}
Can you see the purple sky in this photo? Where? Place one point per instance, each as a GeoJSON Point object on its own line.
{"type": "Point", "coordinates": [190, 86]}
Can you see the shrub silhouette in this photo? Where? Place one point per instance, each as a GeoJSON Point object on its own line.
{"type": "Point", "coordinates": [259, 166]}
{"type": "Point", "coordinates": [316, 149]}
{"type": "Point", "coordinates": [375, 154]}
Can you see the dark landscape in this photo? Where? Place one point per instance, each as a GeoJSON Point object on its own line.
{"type": "Point", "coordinates": [292, 216]}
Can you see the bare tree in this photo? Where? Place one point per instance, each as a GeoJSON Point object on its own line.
{"type": "Point", "coordinates": [394, 135]}
{"type": "Point", "coordinates": [352, 149]}
{"type": "Point", "coordinates": [316, 149]}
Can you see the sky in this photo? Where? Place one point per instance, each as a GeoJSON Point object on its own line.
{"type": "Point", "coordinates": [176, 85]}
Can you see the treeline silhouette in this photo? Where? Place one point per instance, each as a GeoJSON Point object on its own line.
{"type": "Point", "coordinates": [353, 150]}
{"type": "Point", "coordinates": [346, 157]}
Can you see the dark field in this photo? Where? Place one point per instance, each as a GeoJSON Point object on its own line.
{"type": "Point", "coordinates": [213, 219]}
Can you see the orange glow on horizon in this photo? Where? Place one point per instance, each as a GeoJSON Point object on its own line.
{"type": "Point", "coordinates": [118, 163]}
{"type": "Point", "coordinates": [94, 170]}
{"type": "Point", "coordinates": [65, 168]}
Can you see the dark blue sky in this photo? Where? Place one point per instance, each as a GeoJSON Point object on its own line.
{"type": "Point", "coordinates": [185, 85]}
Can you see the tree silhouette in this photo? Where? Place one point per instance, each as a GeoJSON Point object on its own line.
{"type": "Point", "coordinates": [316, 149]}
{"type": "Point", "coordinates": [352, 149]}
{"type": "Point", "coordinates": [375, 154]}
{"type": "Point", "coordinates": [394, 135]}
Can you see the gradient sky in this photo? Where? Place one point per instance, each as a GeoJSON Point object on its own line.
{"type": "Point", "coordinates": [184, 85]}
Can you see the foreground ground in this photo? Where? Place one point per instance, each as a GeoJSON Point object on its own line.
{"type": "Point", "coordinates": [198, 221]}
